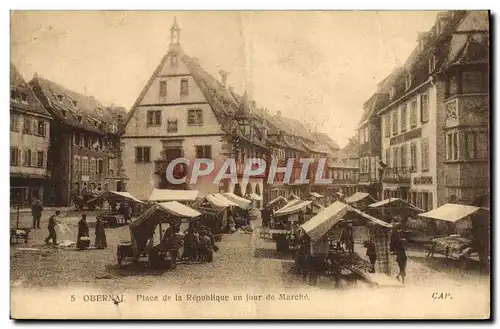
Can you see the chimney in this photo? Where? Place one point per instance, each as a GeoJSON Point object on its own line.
{"type": "Point", "coordinates": [223, 75]}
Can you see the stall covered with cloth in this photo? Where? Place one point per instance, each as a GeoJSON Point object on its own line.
{"type": "Point", "coordinates": [290, 209]}
{"type": "Point", "coordinates": [359, 197]}
{"type": "Point", "coordinates": [316, 195]}
{"type": "Point", "coordinates": [472, 224]}
{"type": "Point", "coordinates": [164, 195]}
{"type": "Point", "coordinates": [393, 202]}
{"type": "Point", "coordinates": [116, 196]}
{"type": "Point", "coordinates": [241, 202]}
{"type": "Point", "coordinates": [143, 228]}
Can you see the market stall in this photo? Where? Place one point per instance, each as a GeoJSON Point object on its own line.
{"type": "Point", "coordinates": [148, 226]}
{"type": "Point", "coordinates": [468, 234]}
{"type": "Point", "coordinates": [111, 216]}
{"type": "Point", "coordinates": [360, 200]}
{"type": "Point", "coordinates": [285, 221]}
{"type": "Point", "coordinates": [165, 195]}
{"type": "Point", "coordinates": [394, 209]}
{"type": "Point", "coordinates": [319, 255]}
{"type": "Point", "coordinates": [214, 208]}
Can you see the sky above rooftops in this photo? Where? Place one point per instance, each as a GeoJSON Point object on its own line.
{"type": "Point", "coordinates": [316, 67]}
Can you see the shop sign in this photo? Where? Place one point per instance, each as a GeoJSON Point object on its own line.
{"type": "Point", "coordinates": [412, 134]}
{"type": "Point", "coordinates": [423, 180]}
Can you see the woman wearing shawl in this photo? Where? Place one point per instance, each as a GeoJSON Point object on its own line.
{"type": "Point", "coordinates": [100, 235]}
{"type": "Point", "coordinates": [83, 240]}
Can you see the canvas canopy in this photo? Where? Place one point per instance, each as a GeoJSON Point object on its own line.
{"type": "Point", "coordinates": [142, 229]}
{"type": "Point", "coordinates": [356, 197]}
{"type": "Point", "coordinates": [316, 195]}
{"type": "Point", "coordinates": [320, 224]}
{"type": "Point", "coordinates": [392, 201]}
{"type": "Point", "coordinates": [116, 196]}
{"type": "Point", "coordinates": [294, 196]}
{"type": "Point", "coordinates": [241, 202]}
{"type": "Point", "coordinates": [255, 196]}
{"type": "Point", "coordinates": [452, 212]}
{"type": "Point", "coordinates": [292, 209]}
{"type": "Point", "coordinates": [163, 195]}
{"type": "Point", "coordinates": [219, 201]}
{"type": "Point", "coordinates": [290, 203]}
{"type": "Point", "coordinates": [278, 199]}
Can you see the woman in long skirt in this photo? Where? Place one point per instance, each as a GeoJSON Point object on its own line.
{"type": "Point", "coordinates": [83, 240]}
{"type": "Point", "coordinates": [100, 235]}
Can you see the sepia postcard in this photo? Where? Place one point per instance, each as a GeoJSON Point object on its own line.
{"type": "Point", "coordinates": [250, 164]}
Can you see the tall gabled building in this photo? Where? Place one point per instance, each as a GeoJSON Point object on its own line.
{"type": "Point", "coordinates": [84, 143]}
{"type": "Point", "coordinates": [29, 142]}
{"type": "Point", "coordinates": [435, 123]}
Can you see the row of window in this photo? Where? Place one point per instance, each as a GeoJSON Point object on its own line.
{"type": "Point", "coordinates": [194, 118]}
{"type": "Point", "coordinates": [468, 82]}
{"type": "Point", "coordinates": [91, 141]}
{"type": "Point", "coordinates": [184, 88]}
{"type": "Point", "coordinates": [475, 145]}
{"type": "Point", "coordinates": [81, 165]}
{"type": "Point", "coordinates": [397, 157]}
{"type": "Point", "coordinates": [143, 153]}
{"type": "Point", "coordinates": [406, 111]}
{"type": "Point", "coordinates": [368, 164]}
{"type": "Point", "coordinates": [342, 174]}
{"type": "Point", "coordinates": [422, 200]}
{"type": "Point", "coordinates": [31, 126]}
{"type": "Point", "coordinates": [30, 158]}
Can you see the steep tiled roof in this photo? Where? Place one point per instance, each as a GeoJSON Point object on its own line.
{"type": "Point", "coordinates": [19, 86]}
{"type": "Point", "coordinates": [445, 47]}
{"type": "Point", "coordinates": [71, 108]}
{"type": "Point", "coordinates": [323, 138]}
{"type": "Point", "coordinates": [351, 150]}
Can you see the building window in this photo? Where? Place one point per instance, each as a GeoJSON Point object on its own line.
{"type": "Point", "coordinates": [424, 107]}
{"type": "Point", "coordinates": [27, 158]}
{"type": "Point", "coordinates": [474, 82]}
{"type": "Point", "coordinates": [34, 158]}
{"type": "Point", "coordinates": [366, 134]}
{"type": "Point", "coordinates": [142, 154]}
{"type": "Point", "coordinates": [15, 154]}
{"type": "Point", "coordinates": [482, 145]}
{"type": "Point", "coordinates": [13, 95]}
{"type": "Point", "coordinates": [163, 88]}
{"type": "Point", "coordinates": [24, 98]}
{"type": "Point", "coordinates": [408, 81]}
{"type": "Point", "coordinates": [204, 152]}
{"type": "Point", "coordinates": [413, 114]}
{"type": "Point", "coordinates": [470, 145]}
{"type": "Point", "coordinates": [404, 156]}
{"type": "Point", "coordinates": [92, 166]}
{"type": "Point", "coordinates": [154, 118]}
{"type": "Point", "coordinates": [184, 87]}
{"type": "Point", "coordinates": [172, 126]}
{"type": "Point", "coordinates": [40, 159]}
{"type": "Point", "coordinates": [64, 113]}
{"type": "Point", "coordinates": [40, 128]}
{"type": "Point", "coordinates": [432, 64]}
{"type": "Point", "coordinates": [404, 115]}
{"type": "Point", "coordinates": [195, 117]}
{"type": "Point", "coordinates": [100, 167]}
{"type": "Point", "coordinates": [387, 127]}
{"type": "Point", "coordinates": [452, 146]}
{"type": "Point", "coordinates": [85, 166]}
{"type": "Point", "coordinates": [14, 122]}
{"type": "Point", "coordinates": [388, 157]}
{"type": "Point", "coordinates": [28, 125]}
{"type": "Point", "coordinates": [396, 157]}
{"type": "Point", "coordinates": [76, 164]}
{"type": "Point", "coordinates": [413, 156]}
{"type": "Point", "coordinates": [395, 122]}
{"type": "Point", "coordinates": [452, 86]}
{"type": "Point", "coordinates": [424, 149]}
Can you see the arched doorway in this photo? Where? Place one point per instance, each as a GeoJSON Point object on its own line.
{"type": "Point", "coordinates": [237, 190]}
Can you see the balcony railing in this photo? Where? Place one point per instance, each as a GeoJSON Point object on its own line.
{"type": "Point", "coordinates": [397, 175]}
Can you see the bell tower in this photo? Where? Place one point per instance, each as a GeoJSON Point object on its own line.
{"type": "Point", "coordinates": [175, 33]}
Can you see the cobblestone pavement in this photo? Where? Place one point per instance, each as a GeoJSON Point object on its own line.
{"type": "Point", "coordinates": [244, 260]}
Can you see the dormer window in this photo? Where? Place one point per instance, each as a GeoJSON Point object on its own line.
{"type": "Point", "coordinates": [75, 103]}
{"type": "Point", "coordinates": [60, 98]}
{"type": "Point", "coordinates": [13, 95]}
{"type": "Point", "coordinates": [24, 98]}
{"type": "Point", "coordinates": [98, 111]}
{"type": "Point", "coordinates": [408, 81]}
{"type": "Point", "coordinates": [392, 93]}
{"type": "Point", "coordinates": [64, 113]}
{"type": "Point", "coordinates": [432, 63]}
{"type": "Point", "coordinates": [79, 118]}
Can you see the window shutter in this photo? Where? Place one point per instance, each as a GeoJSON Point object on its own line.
{"type": "Point", "coordinates": [34, 158]}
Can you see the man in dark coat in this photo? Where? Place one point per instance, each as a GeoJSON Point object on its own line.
{"type": "Point", "coordinates": [36, 211]}
{"type": "Point", "coordinates": [53, 221]}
